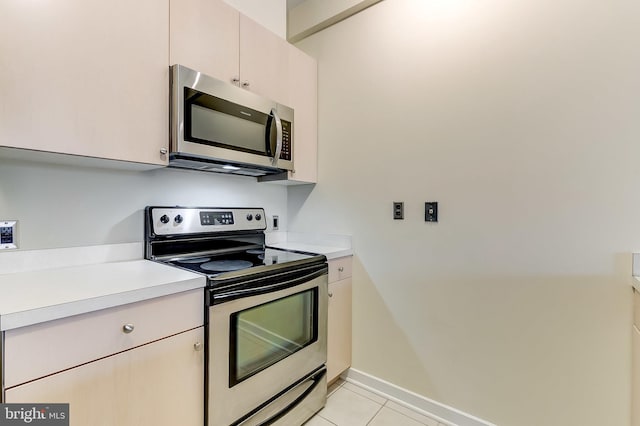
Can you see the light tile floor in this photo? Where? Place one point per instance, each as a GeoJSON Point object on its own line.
{"type": "Point", "coordinates": [350, 405]}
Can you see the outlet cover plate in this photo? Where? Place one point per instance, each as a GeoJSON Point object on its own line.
{"type": "Point", "coordinates": [8, 234]}
{"type": "Point", "coordinates": [431, 211]}
{"type": "Point", "coordinates": [398, 210]}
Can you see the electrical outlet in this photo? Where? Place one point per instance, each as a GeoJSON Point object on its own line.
{"type": "Point", "coordinates": [275, 223]}
{"type": "Point", "coordinates": [8, 234]}
{"type": "Point", "coordinates": [431, 211]}
{"type": "Point", "coordinates": [398, 210]}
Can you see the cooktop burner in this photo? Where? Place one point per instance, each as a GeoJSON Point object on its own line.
{"type": "Point", "coordinates": [226, 265]}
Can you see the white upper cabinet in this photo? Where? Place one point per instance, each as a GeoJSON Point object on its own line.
{"type": "Point", "coordinates": [205, 36]}
{"type": "Point", "coordinates": [264, 62]}
{"type": "Point", "coordinates": [303, 71]}
{"type": "Point", "coordinates": [85, 77]}
{"type": "Point", "coordinates": [211, 37]}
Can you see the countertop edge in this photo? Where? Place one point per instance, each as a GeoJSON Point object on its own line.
{"type": "Point", "coordinates": [156, 284]}
{"type": "Point", "coordinates": [329, 252]}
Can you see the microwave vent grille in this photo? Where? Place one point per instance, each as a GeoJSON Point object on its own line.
{"type": "Point", "coordinates": [207, 166]}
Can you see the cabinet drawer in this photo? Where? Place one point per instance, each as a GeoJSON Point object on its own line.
{"type": "Point", "coordinates": [42, 349]}
{"type": "Point", "coordinates": [339, 268]}
{"type": "Point", "coordinates": [636, 308]}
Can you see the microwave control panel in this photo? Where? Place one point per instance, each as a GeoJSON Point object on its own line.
{"type": "Point", "coordinates": [285, 154]}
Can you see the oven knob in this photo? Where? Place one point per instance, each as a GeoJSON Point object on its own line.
{"type": "Point", "coordinates": [249, 216]}
{"type": "Point", "coordinates": [164, 218]}
{"type": "Point", "coordinates": [258, 216]}
{"type": "Point", "coordinates": [178, 219]}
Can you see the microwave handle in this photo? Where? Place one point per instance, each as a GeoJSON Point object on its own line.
{"type": "Point", "coordinates": [276, 156]}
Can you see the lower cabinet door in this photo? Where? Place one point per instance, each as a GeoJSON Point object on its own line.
{"type": "Point", "coordinates": [161, 383]}
{"type": "Point", "coordinates": [339, 329]}
{"type": "Point", "coordinates": [635, 377]}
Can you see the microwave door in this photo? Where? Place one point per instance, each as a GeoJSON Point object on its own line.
{"type": "Point", "coordinates": [273, 140]}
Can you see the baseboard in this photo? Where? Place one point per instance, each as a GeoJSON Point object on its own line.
{"type": "Point", "coordinates": [441, 412]}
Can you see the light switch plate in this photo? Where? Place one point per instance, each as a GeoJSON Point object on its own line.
{"type": "Point", "coordinates": [8, 234]}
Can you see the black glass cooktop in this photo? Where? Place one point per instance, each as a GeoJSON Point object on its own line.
{"type": "Point", "coordinates": [239, 260]}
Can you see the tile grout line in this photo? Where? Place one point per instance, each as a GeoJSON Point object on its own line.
{"type": "Point", "coordinates": [370, 399]}
{"type": "Point", "coordinates": [377, 412]}
{"type": "Point", "coordinates": [324, 418]}
{"type": "Point", "coordinates": [337, 387]}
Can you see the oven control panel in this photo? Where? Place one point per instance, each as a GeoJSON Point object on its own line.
{"type": "Point", "coordinates": [196, 220]}
{"type": "Point", "coordinates": [209, 218]}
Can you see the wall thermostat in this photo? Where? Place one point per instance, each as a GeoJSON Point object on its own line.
{"type": "Point", "coordinates": [8, 234]}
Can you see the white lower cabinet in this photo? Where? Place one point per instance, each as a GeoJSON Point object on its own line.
{"type": "Point", "coordinates": [635, 378]}
{"type": "Point", "coordinates": [635, 362]}
{"type": "Point", "coordinates": [339, 318]}
{"type": "Point", "coordinates": [137, 364]}
{"type": "Point", "coordinates": [161, 383]}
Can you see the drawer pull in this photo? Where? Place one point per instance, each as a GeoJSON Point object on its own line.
{"type": "Point", "coordinates": [127, 328]}
{"type": "Point", "coordinates": [341, 269]}
{"type": "Point", "coordinates": [197, 346]}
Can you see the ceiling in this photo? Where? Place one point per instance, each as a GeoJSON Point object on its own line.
{"type": "Point", "coordinates": [293, 3]}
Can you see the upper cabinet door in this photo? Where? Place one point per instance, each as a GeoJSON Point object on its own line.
{"type": "Point", "coordinates": [264, 61]}
{"type": "Point", "coordinates": [204, 36]}
{"type": "Point", "coordinates": [304, 101]}
{"type": "Point", "coordinates": [85, 77]}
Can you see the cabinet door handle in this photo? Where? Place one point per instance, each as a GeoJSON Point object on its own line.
{"type": "Point", "coordinates": [245, 84]}
{"type": "Point", "coordinates": [236, 81]}
{"type": "Point", "coordinates": [127, 328]}
{"type": "Point", "coordinates": [341, 269]}
{"type": "Point", "coordinates": [197, 346]}
{"type": "Point", "coordinates": [330, 294]}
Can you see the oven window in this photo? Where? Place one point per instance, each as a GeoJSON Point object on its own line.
{"type": "Point", "coordinates": [268, 333]}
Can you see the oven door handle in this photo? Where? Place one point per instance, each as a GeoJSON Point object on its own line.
{"type": "Point", "coordinates": [307, 387]}
{"type": "Point", "coordinates": [232, 294]}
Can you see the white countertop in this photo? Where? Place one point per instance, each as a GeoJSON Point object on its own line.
{"type": "Point", "coordinates": [44, 285]}
{"type": "Point", "coordinates": [37, 296]}
{"type": "Point", "coordinates": [332, 246]}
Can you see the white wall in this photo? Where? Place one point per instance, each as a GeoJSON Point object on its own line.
{"type": "Point", "coordinates": [62, 206]}
{"type": "Point", "coordinates": [271, 14]}
{"type": "Point", "coordinates": [522, 120]}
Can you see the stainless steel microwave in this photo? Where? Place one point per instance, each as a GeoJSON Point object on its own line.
{"type": "Point", "coordinates": [219, 127]}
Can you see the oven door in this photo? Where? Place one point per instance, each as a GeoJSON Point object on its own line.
{"type": "Point", "coordinates": [265, 342]}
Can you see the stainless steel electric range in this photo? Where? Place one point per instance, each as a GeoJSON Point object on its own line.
{"type": "Point", "coordinates": [266, 313]}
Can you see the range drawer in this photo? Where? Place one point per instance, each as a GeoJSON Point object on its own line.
{"type": "Point", "coordinates": [42, 349]}
{"type": "Point", "coordinates": [339, 268]}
